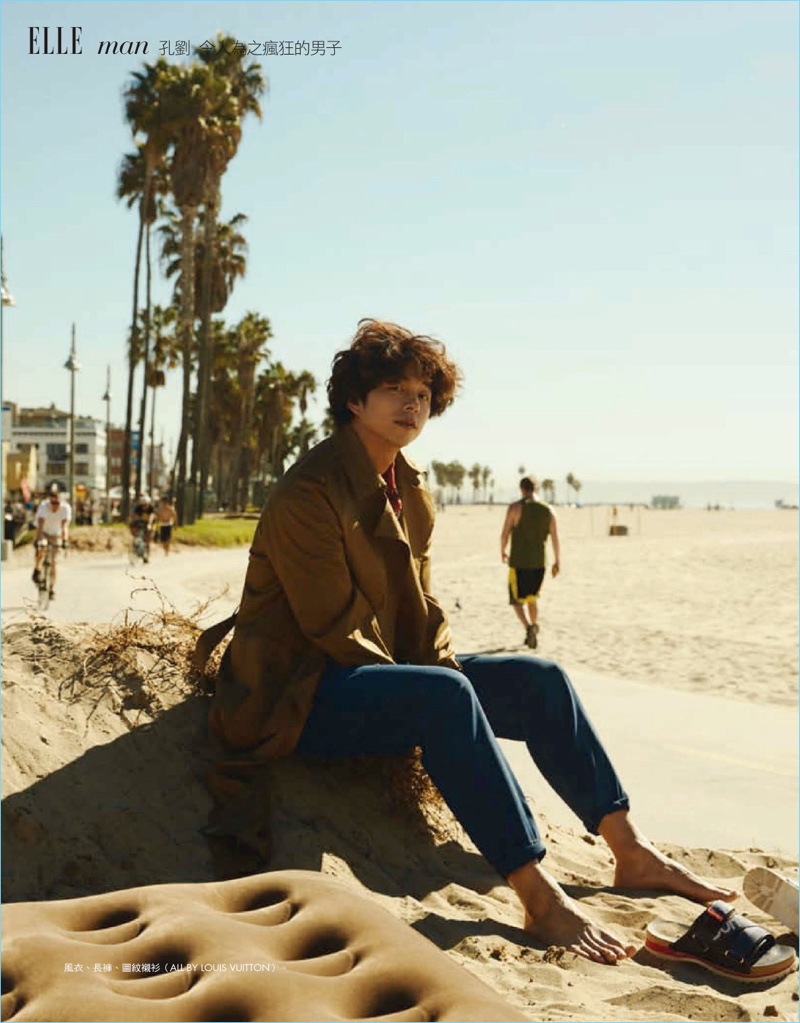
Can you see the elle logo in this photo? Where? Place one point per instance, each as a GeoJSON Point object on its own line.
{"type": "Point", "coordinates": [58, 36]}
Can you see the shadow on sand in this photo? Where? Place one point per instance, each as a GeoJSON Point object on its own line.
{"type": "Point", "coordinates": [135, 811]}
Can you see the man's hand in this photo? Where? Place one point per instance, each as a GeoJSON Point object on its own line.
{"type": "Point", "coordinates": [503, 556]}
{"type": "Point", "coordinates": [556, 569]}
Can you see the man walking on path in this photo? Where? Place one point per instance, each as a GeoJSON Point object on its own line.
{"type": "Point", "coordinates": [528, 523]}
{"type": "Point", "coordinates": [167, 519]}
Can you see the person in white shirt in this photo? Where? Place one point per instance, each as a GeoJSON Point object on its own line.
{"type": "Point", "coordinates": [52, 522]}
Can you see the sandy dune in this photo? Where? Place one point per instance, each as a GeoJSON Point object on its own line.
{"type": "Point", "coordinates": [103, 772]}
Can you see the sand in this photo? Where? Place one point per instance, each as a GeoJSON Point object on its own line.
{"type": "Point", "coordinates": [705, 601]}
{"type": "Point", "coordinates": [103, 775]}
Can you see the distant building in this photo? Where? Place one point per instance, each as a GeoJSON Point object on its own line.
{"type": "Point", "coordinates": [36, 450]}
{"type": "Point", "coordinates": [116, 440]}
{"type": "Point", "coordinates": [665, 501]}
{"type": "Point", "coordinates": [46, 430]}
{"type": "Point", "coordinates": [154, 454]}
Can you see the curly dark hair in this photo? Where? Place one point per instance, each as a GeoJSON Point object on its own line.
{"type": "Point", "coordinates": [381, 352]}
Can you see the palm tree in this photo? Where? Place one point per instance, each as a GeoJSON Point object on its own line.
{"type": "Point", "coordinates": [230, 265]}
{"type": "Point", "coordinates": [305, 383]}
{"type": "Point", "coordinates": [455, 477]}
{"type": "Point", "coordinates": [132, 186]}
{"type": "Point", "coordinates": [549, 490]}
{"type": "Point", "coordinates": [196, 112]}
{"type": "Point", "coordinates": [475, 480]}
{"type": "Point", "coordinates": [231, 255]}
{"type": "Point", "coordinates": [252, 335]}
{"type": "Point", "coordinates": [439, 470]}
{"type": "Point", "coordinates": [573, 484]}
{"type": "Point", "coordinates": [234, 91]}
{"type": "Point", "coordinates": [164, 356]}
{"type": "Point", "coordinates": [486, 473]}
{"type": "Point", "coordinates": [143, 113]}
{"type": "Point", "coordinates": [223, 413]}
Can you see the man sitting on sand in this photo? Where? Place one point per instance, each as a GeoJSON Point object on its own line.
{"type": "Point", "coordinates": [528, 523]}
{"type": "Point", "coordinates": [340, 650]}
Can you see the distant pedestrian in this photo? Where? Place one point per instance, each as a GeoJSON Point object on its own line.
{"type": "Point", "coordinates": [167, 518]}
{"type": "Point", "coordinates": [528, 523]}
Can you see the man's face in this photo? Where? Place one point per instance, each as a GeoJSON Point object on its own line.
{"type": "Point", "coordinates": [396, 411]}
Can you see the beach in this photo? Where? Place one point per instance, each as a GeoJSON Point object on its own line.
{"type": "Point", "coordinates": [690, 599]}
{"type": "Point", "coordinates": [102, 779]}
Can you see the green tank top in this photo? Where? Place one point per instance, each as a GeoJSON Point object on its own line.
{"type": "Point", "coordinates": [529, 536]}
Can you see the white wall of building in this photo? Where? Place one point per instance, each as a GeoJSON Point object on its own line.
{"type": "Point", "coordinates": [52, 442]}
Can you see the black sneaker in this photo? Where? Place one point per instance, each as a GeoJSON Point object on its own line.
{"type": "Point", "coordinates": [531, 635]}
{"type": "Point", "coordinates": [36, 576]}
{"type": "Point", "coordinates": [52, 594]}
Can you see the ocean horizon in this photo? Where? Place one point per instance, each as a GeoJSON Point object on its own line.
{"type": "Point", "coordinates": [729, 494]}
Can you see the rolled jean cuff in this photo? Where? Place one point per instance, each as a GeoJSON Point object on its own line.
{"type": "Point", "coordinates": [516, 858]}
{"type": "Point", "coordinates": [623, 803]}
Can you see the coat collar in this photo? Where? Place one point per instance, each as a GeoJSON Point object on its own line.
{"type": "Point", "coordinates": [366, 482]}
{"type": "Point", "coordinates": [364, 478]}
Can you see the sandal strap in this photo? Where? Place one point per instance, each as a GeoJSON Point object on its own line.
{"type": "Point", "coordinates": [725, 937]}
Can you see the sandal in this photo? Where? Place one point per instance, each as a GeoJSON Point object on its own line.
{"type": "Point", "coordinates": [724, 942]}
{"type": "Point", "coordinates": [776, 895]}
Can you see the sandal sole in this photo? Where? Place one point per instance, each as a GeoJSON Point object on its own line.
{"type": "Point", "coordinates": [773, 894]}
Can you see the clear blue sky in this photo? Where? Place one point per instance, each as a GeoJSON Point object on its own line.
{"type": "Point", "coordinates": [593, 204]}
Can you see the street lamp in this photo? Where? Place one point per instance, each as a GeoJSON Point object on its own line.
{"type": "Point", "coordinates": [73, 366]}
{"type": "Point", "coordinates": [107, 400]}
{"type": "Point", "coordinates": [7, 299]}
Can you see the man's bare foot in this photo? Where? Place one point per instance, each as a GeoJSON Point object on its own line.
{"type": "Point", "coordinates": [553, 918]}
{"type": "Point", "coordinates": [643, 866]}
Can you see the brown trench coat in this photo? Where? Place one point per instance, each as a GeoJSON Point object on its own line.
{"type": "Point", "coordinates": [333, 574]}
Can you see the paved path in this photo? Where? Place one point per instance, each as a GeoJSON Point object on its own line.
{"type": "Point", "coordinates": [701, 770]}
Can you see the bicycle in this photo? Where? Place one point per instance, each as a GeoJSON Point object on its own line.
{"type": "Point", "coordinates": [138, 547]}
{"type": "Point", "coordinates": [46, 582]}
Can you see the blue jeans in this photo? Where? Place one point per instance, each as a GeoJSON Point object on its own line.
{"type": "Point", "coordinates": [455, 718]}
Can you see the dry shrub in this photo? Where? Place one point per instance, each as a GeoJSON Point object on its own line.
{"type": "Point", "coordinates": [412, 791]}
{"type": "Point", "coordinates": [144, 658]}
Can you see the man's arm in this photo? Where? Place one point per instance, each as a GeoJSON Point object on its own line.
{"type": "Point", "coordinates": [556, 543]}
{"type": "Point", "coordinates": [438, 644]}
{"type": "Point", "coordinates": [512, 518]}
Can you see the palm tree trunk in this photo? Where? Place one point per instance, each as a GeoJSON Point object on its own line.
{"type": "Point", "coordinates": [200, 454]}
{"type": "Point", "coordinates": [185, 508]}
{"type": "Point", "coordinates": [125, 508]}
{"type": "Point", "coordinates": [152, 440]}
{"type": "Point", "coordinates": [146, 360]}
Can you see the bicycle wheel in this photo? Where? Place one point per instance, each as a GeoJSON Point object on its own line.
{"type": "Point", "coordinates": [44, 584]}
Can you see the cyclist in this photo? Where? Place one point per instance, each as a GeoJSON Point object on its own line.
{"type": "Point", "coordinates": [52, 522]}
{"type": "Point", "coordinates": [143, 519]}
